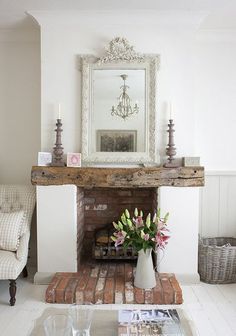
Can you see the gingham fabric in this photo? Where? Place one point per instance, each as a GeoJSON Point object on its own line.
{"type": "Point", "coordinates": [10, 266]}
{"type": "Point", "coordinates": [22, 251]}
{"type": "Point", "coordinates": [14, 198]}
{"type": "Point", "coordinates": [18, 197]}
{"type": "Point", "coordinates": [10, 230]}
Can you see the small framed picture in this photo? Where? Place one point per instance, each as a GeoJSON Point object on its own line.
{"type": "Point", "coordinates": [73, 159]}
{"type": "Point", "coordinates": [191, 161]}
{"type": "Point", "coordinates": [116, 141]}
{"type": "Point", "coordinates": [44, 158]}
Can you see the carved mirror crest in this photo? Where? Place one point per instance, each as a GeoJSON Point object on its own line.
{"type": "Point", "coordinates": [119, 105]}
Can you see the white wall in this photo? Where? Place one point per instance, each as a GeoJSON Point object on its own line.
{"type": "Point", "coordinates": [197, 74]}
{"type": "Point", "coordinates": [215, 99]}
{"type": "Point", "coordinates": [19, 104]}
{"type": "Point", "coordinates": [61, 43]}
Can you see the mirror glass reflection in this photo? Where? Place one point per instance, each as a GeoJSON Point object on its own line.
{"type": "Point", "coordinates": [119, 111]}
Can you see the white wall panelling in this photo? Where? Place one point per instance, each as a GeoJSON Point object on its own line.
{"type": "Point", "coordinates": [218, 205]}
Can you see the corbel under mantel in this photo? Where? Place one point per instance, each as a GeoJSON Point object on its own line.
{"type": "Point", "coordinates": [113, 177]}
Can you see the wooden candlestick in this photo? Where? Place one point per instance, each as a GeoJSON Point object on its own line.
{"type": "Point", "coordinates": [171, 150]}
{"type": "Point", "coordinates": [57, 160]}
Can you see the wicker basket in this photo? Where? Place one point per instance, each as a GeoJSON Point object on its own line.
{"type": "Point", "coordinates": [216, 262]}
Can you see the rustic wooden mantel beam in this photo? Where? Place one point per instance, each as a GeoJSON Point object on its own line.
{"type": "Point", "coordinates": [119, 177]}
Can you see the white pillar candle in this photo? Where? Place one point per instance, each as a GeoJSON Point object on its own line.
{"type": "Point", "coordinates": [170, 110]}
{"type": "Point", "coordinates": [59, 111]}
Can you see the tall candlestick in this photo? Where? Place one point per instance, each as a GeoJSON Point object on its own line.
{"type": "Point", "coordinates": [57, 160]}
{"type": "Point", "coordinates": [171, 149]}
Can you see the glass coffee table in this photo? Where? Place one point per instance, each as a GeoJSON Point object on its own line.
{"type": "Point", "coordinates": [105, 323]}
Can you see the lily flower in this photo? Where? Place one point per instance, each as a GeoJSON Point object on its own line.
{"type": "Point", "coordinates": [123, 219]}
{"type": "Point", "coordinates": [130, 224]}
{"type": "Point", "coordinates": [148, 220]}
{"type": "Point", "coordinates": [138, 222]}
{"type": "Point", "coordinates": [154, 218]}
{"type": "Point", "coordinates": [161, 240]}
{"type": "Point", "coordinates": [127, 213]}
{"type": "Point", "coordinates": [160, 224]}
{"type": "Point", "coordinates": [139, 232]}
{"type": "Point", "coordinates": [144, 236]}
{"type": "Point", "coordinates": [115, 226]}
{"type": "Point", "coordinates": [120, 237]}
{"type": "Point", "coordinates": [120, 225]}
{"type": "Point", "coordinates": [136, 212]}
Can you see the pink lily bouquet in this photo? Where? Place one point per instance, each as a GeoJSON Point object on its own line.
{"type": "Point", "coordinates": [141, 233]}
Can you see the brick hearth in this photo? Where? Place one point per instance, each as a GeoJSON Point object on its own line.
{"type": "Point", "coordinates": [110, 283]}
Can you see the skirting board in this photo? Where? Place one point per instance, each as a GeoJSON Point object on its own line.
{"type": "Point", "coordinates": [188, 279]}
{"type": "Point", "coordinates": [44, 278]}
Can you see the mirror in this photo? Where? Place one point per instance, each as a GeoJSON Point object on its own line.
{"type": "Point", "coordinates": [119, 105]}
{"type": "Point", "coordinates": [115, 128]}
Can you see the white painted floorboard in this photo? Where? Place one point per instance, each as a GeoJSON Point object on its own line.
{"type": "Point", "coordinates": [210, 308]}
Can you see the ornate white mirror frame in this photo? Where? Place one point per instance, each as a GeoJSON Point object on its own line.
{"type": "Point", "coordinates": [119, 55]}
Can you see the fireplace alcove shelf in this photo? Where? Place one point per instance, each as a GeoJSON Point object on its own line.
{"type": "Point", "coordinates": [113, 177]}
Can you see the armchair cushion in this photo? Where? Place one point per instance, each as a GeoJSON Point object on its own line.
{"type": "Point", "coordinates": [9, 205]}
{"type": "Point", "coordinates": [10, 229]}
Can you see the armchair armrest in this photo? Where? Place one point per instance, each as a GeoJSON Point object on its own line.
{"type": "Point", "coordinates": [22, 251]}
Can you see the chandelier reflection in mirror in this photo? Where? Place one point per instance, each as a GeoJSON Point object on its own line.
{"type": "Point", "coordinates": [124, 109]}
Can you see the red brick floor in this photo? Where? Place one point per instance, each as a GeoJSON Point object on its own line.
{"type": "Point", "coordinates": [111, 283]}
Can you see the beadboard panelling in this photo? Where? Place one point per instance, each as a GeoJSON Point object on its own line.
{"type": "Point", "coordinates": [218, 205]}
{"type": "Point", "coordinates": [209, 219]}
{"type": "Point", "coordinates": [227, 217]}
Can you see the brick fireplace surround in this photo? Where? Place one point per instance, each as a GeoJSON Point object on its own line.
{"type": "Point", "coordinates": [98, 207]}
{"type": "Point", "coordinates": [102, 195]}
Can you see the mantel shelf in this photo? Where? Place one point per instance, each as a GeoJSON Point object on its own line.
{"type": "Point", "coordinates": [119, 177]}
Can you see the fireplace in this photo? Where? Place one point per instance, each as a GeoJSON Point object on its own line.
{"type": "Point", "coordinates": [99, 207]}
{"type": "Point", "coordinates": [66, 196]}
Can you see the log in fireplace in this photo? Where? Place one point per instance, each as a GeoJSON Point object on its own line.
{"type": "Point", "coordinates": [104, 247]}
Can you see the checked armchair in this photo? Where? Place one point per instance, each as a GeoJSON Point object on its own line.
{"type": "Point", "coordinates": [17, 204]}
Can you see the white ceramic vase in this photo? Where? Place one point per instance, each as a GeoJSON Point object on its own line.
{"type": "Point", "coordinates": [145, 275]}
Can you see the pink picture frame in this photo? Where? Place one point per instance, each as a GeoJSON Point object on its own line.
{"type": "Point", "coordinates": [73, 159]}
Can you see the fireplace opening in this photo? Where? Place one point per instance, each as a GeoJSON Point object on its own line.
{"type": "Point", "coordinates": [97, 209]}
{"type": "Point", "coordinates": [107, 277]}
{"type": "Point", "coordinates": [104, 247]}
